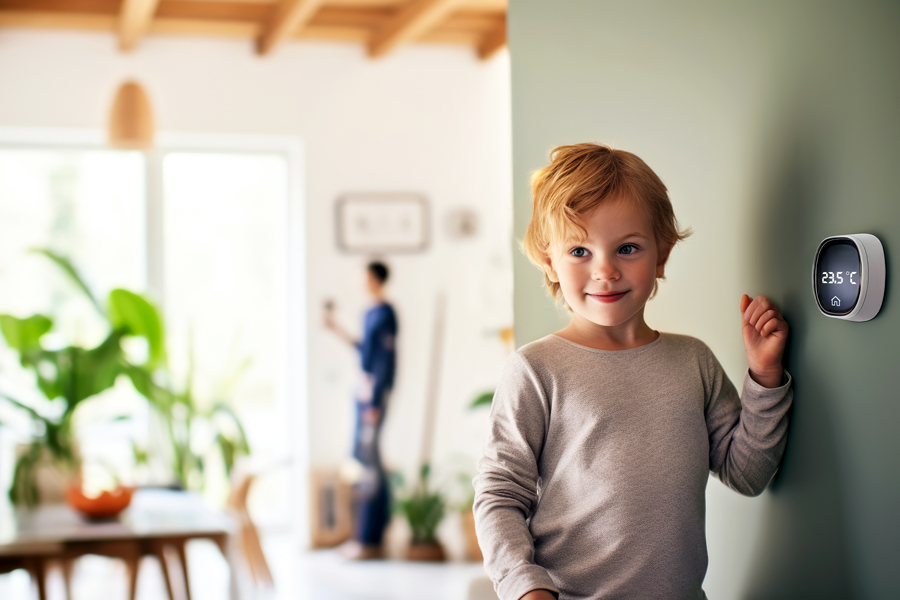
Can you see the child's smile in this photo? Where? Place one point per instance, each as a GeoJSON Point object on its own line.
{"type": "Point", "coordinates": [608, 298]}
{"type": "Point", "coordinates": [608, 277]}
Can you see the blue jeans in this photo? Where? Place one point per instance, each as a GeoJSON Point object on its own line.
{"type": "Point", "coordinates": [372, 492]}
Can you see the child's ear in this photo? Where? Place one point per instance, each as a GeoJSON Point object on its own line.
{"type": "Point", "coordinates": [661, 270]}
{"type": "Point", "coordinates": [661, 264]}
{"type": "Point", "coordinates": [549, 270]}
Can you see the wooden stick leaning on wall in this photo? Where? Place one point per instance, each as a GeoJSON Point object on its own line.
{"type": "Point", "coordinates": [434, 376]}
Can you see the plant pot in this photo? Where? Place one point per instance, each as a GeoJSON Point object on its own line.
{"type": "Point", "coordinates": [432, 552]}
{"type": "Point", "coordinates": [50, 476]}
{"type": "Point", "coordinates": [472, 547]}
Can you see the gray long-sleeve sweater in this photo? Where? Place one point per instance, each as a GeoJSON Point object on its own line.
{"type": "Point", "coordinates": [593, 475]}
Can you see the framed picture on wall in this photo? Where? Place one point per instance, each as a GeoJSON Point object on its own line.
{"type": "Point", "coordinates": [382, 222]}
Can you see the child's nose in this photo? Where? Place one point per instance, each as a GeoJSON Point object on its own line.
{"type": "Point", "coordinates": [604, 270]}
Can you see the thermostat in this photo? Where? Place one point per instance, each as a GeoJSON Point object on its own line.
{"type": "Point", "coordinates": [849, 276]}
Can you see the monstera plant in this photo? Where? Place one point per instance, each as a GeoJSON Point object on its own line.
{"type": "Point", "coordinates": [73, 374]}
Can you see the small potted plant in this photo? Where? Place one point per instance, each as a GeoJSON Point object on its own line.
{"type": "Point", "coordinates": [424, 509]}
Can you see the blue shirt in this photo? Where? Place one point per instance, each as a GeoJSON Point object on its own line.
{"type": "Point", "coordinates": [377, 352]}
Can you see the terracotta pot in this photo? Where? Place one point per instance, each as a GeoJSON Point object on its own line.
{"type": "Point", "coordinates": [426, 552]}
{"type": "Point", "coordinates": [107, 505]}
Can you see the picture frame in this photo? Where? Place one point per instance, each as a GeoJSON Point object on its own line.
{"type": "Point", "coordinates": [382, 222]}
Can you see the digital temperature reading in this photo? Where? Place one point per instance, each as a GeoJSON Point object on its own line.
{"type": "Point", "coordinates": [838, 284]}
{"type": "Point", "coordinates": [848, 276]}
{"type": "Point", "coordinates": [832, 278]}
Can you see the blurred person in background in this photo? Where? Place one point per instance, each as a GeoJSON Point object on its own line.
{"type": "Point", "coordinates": [378, 360]}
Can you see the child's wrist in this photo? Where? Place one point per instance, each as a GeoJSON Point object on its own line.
{"type": "Point", "coordinates": [770, 378]}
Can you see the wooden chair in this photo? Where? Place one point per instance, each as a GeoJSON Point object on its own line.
{"type": "Point", "coordinates": [246, 538]}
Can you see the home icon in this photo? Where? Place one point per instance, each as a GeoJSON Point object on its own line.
{"type": "Point", "coordinates": [835, 301]}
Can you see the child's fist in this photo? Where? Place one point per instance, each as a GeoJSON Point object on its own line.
{"type": "Point", "coordinates": [765, 334]}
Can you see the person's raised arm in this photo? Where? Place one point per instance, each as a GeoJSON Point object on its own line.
{"type": "Point", "coordinates": [332, 325]}
{"type": "Point", "coordinates": [765, 334]}
{"type": "Point", "coordinates": [748, 434]}
{"type": "Point", "coordinates": [506, 486]}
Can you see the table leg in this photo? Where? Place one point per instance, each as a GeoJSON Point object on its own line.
{"type": "Point", "coordinates": [158, 552]}
{"type": "Point", "coordinates": [68, 565]}
{"type": "Point", "coordinates": [182, 556]}
{"type": "Point", "coordinates": [132, 561]}
{"type": "Point", "coordinates": [39, 574]}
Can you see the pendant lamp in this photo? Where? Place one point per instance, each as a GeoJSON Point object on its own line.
{"type": "Point", "coordinates": [131, 119]}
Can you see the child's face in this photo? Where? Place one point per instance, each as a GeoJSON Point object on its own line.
{"type": "Point", "coordinates": [608, 277]}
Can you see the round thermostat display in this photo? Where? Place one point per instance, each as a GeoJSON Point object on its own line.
{"type": "Point", "coordinates": [838, 277]}
{"type": "Point", "coordinates": [849, 276]}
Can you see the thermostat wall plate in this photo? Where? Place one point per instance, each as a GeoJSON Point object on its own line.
{"type": "Point", "coordinates": [849, 276]}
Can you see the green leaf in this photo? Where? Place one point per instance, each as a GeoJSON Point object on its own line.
{"type": "Point", "coordinates": [24, 334]}
{"type": "Point", "coordinates": [84, 373]}
{"type": "Point", "coordinates": [67, 267]}
{"type": "Point", "coordinates": [484, 399]}
{"type": "Point", "coordinates": [228, 451]}
{"type": "Point", "coordinates": [34, 414]}
{"type": "Point", "coordinates": [141, 455]}
{"type": "Point", "coordinates": [135, 315]}
{"type": "Point", "coordinates": [241, 445]}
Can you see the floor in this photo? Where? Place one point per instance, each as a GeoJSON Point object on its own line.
{"type": "Point", "coordinates": [316, 575]}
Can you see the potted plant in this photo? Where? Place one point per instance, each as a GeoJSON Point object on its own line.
{"type": "Point", "coordinates": [423, 508]}
{"type": "Point", "coordinates": [68, 376]}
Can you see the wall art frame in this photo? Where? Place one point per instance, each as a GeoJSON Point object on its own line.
{"type": "Point", "coordinates": [382, 222]}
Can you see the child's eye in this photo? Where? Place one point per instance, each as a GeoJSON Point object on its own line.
{"type": "Point", "coordinates": [578, 252]}
{"type": "Point", "coordinates": [628, 249]}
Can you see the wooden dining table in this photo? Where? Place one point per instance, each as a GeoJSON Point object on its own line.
{"type": "Point", "coordinates": [157, 523]}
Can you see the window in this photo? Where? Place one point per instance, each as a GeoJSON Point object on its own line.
{"type": "Point", "coordinates": [206, 230]}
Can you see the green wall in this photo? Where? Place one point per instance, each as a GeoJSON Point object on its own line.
{"type": "Point", "coordinates": [774, 125]}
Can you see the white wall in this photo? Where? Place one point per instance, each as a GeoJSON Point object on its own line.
{"type": "Point", "coordinates": [428, 119]}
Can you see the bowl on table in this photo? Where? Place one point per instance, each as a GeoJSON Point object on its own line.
{"type": "Point", "coordinates": [107, 505]}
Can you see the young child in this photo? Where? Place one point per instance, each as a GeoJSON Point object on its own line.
{"type": "Point", "coordinates": [602, 436]}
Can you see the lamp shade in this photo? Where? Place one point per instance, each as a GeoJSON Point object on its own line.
{"type": "Point", "coordinates": [131, 118]}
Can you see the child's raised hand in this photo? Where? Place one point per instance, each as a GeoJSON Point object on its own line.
{"type": "Point", "coordinates": [765, 334]}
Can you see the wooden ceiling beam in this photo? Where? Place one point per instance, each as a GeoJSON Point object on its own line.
{"type": "Point", "coordinates": [493, 42]}
{"type": "Point", "coordinates": [134, 20]}
{"type": "Point", "coordinates": [290, 16]}
{"type": "Point", "coordinates": [377, 23]}
{"type": "Point", "coordinates": [410, 22]}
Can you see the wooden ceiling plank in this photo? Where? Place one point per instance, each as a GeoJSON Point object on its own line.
{"type": "Point", "coordinates": [134, 20]}
{"type": "Point", "coordinates": [493, 42]}
{"type": "Point", "coordinates": [106, 7]}
{"type": "Point", "coordinates": [55, 20]}
{"type": "Point", "coordinates": [196, 27]}
{"type": "Point", "coordinates": [204, 10]}
{"type": "Point", "coordinates": [491, 6]}
{"type": "Point", "coordinates": [334, 34]}
{"type": "Point", "coordinates": [290, 16]}
{"type": "Point", "coordinates": [332, 16]}
{"type": "Point", "coordinates": [415, 19]}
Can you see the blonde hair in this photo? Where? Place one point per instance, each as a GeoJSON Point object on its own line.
{"type": "Point", "coordinates": [580, 178]}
